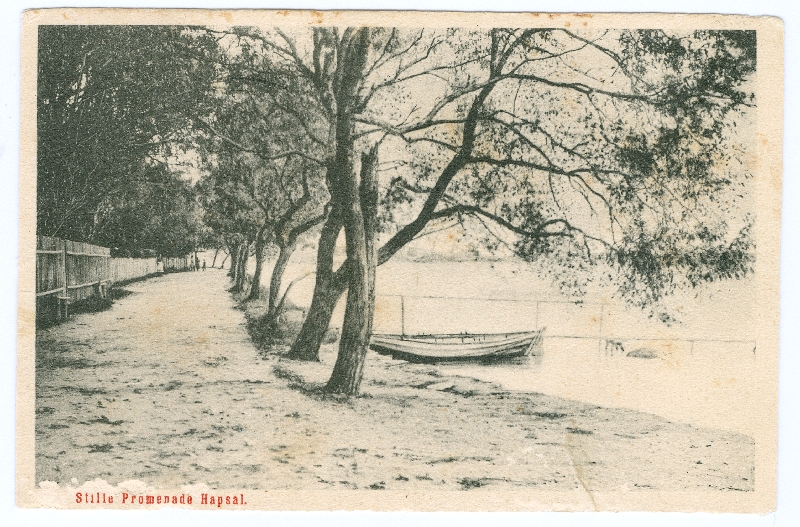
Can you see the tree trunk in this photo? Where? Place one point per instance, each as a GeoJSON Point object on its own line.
{"type": "Point", "coordinates": [236, 269]}
{"type": "Point", "coordinates": [345, 211]}
{"type": "Point", "coordinates": [285, 253]}
{"type": "Point", "coordinates": [243, 267]}
{"type": "Point", "coordinates": [255, 287]}
{"type": "Point", "coordinates": [327, 290]}
{"type": "Point", "coordinates": [360, 225]}
{"type": "Point", "coordinates": [241, 271]}
{"type": "Point", "coordinates": [234, 252]}
{"type": "Point", "coordinates": [222, 265]}
{"type": "Point", "coordinates": [214, 260]}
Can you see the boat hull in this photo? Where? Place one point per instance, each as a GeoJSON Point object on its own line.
{"type": "Point", "coordinates": [458, 348]}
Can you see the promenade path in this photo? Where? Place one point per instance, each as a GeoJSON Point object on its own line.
{"type": "Point", "coordinates": [153, 389]}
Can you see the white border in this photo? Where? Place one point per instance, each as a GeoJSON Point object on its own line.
{"type": "Point", "coordinates": [788, 512]}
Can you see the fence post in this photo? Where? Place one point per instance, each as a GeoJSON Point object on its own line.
{"type": "Point", "coordinates": [64, 300]}
{"type": "Point", "coordinates": [64, 267]}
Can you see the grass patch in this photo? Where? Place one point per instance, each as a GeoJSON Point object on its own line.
{"type": "Point", "coordinates": [296, 382]}
{"type": "Point", "coordinates": [267, 334]}
{"type": "Point", "coordinates": [462, 393]}
{"type": "Point", "coordinates": [549, 415]}
{"type": "Point", "coordinates": [472, 483]}
{"type": "Point", "coordinates": [53, 362]}
{"type": "Point", "coordinates": [47, 309]}
{"type": "Point", "coordinates": [90, 391]}
{"type": "Point", "coordinates": [103, 420]}
{"type": "Point", "coordinates": [579, 431]}
{"type": "Point", "coordinates": [139, 279]}
{"type": "Point", "coordinates": [94, 449]}
{"type": "Point", "coordinates": [171, 385]}
{"type": "Point", "coordinates": [117, 293]}
{"type": "Point", "coordinates": [287, 375]}
{"type": "Point", "coordinates": [644, 353]}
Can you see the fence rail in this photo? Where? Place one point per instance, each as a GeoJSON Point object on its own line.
{"type": "Point", "coordinates": [121, 269]}
{"type": "Point", "coordinates": [74, 271]}
{"type": "Point", "coordinates": [70, 269]}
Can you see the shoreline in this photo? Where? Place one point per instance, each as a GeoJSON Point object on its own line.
{"type": "Point", "coordinates": [144, 392]}
{"type": "Point", "coordinates": [490, 437]}
{"type": "Point", "coordinates": [471, 433]}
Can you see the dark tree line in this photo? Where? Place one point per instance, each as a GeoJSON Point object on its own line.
{"type": "Point", "coordinates": [113, 118]}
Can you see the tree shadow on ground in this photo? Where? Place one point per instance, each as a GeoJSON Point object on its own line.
{"type": "Point", "coordinates": [47, 308]}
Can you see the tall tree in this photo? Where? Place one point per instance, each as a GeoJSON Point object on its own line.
{"type": "Point", "coordinates": [229, 210]}
{"type": "Point", "coordinates": [611, 148]}
{"type": "Point", "coordinates": [273, 145]}
{"type": "Point", "coordinates": [333, 78]}
{"type": "Point", "coordinates": [159, 214]}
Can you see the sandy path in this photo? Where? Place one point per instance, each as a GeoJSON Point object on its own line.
{"type": "Point", "coordinates": [167, 388]}
{"type": "Point", "coordinates": [153, 389]}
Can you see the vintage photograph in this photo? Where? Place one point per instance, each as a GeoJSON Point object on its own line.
{"type": "Point", "coordinates": [313, 261]}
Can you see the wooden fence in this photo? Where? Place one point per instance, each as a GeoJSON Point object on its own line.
{"type": "Point", "coordinates": [176, 264]}
{"type": "Point", "coordinates": [72, 271]}
{"type": "Point", "coordinates": [121, 269]}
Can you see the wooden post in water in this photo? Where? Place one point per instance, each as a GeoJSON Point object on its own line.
{"type": "Point", "coordinates": [402, 316]}
{"type": "Point", "coordinates": [600, 331]}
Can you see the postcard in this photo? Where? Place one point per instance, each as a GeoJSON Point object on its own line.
{"type": "Point", "coordinates": [429, 261]}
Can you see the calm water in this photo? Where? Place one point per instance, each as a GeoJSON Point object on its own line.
{"type": "Point", "coordinates": [693, 376]}
{"type": "Point", "coordinates": [708, 384]}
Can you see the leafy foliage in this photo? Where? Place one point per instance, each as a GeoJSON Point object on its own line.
{"type": "Point", "coordinates": [114, 108]}
{"type": "Point", "coordinates": [158, 215]}
{"type": "Point", "coordinates": [616, 154]}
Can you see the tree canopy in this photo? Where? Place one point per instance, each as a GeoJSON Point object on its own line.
{"type": "Point", "coordinates": [113, 120]}
{"type": "Point", "coordinates": [615, 148]}
{"type": "Point", "coordinates": [611, 153]}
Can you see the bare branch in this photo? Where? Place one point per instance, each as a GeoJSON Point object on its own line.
{"type": "Point", "coordinates": [266, 156]}
{"type": "Point", "coordinates": [539, 232]}
{"type": "Point", "coordinates": [585, 89]}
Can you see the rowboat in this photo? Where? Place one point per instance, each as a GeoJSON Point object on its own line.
{"type": "Point", "coordinates": [458, 347]}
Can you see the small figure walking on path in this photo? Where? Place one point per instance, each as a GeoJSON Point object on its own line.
{"type": "Point", "coordinates": [204, 265]}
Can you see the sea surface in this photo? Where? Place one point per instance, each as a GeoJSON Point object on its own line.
{"type": "Point", "coordinates": [701, 369]}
